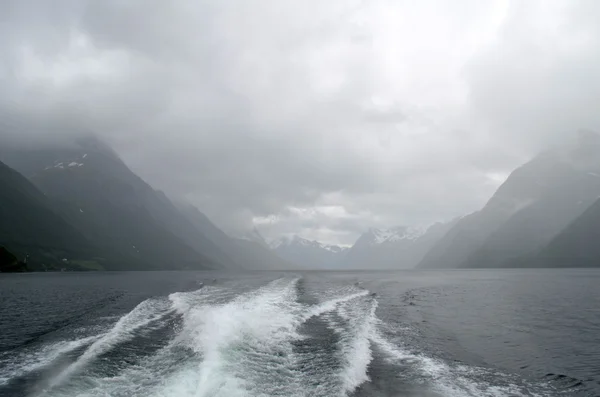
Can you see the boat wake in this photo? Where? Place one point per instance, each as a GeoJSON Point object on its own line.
{"type": "Point", "coordinates": [266, 342]}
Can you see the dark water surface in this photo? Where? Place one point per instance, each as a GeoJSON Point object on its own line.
{"type": "Point", "coordinates": [452, 333]}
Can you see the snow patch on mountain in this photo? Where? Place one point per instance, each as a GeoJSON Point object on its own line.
{"type": "Point", "coordinates": [72, 163]}
{"type": "Point", "coordinates": [378, 236]}
{"type": "Point", "coordinates": [308, 254]}
{"type": "Point", "coordinates": [297, 241]}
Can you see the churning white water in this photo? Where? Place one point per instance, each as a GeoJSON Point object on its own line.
{"type": "Point", "coordinates": [217, 342]}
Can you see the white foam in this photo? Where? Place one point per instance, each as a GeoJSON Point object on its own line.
{"type": "Point", "coordinates": [394, 353]}
{"type": "Point", "coordinates": [363, 327]}
{"type": "Point", "coordinates": [332, 304]}
{"type": "Point", "coordinates": [245, 345]}
{"type": "Point", "coordinates": [183, 302]}
{"type": "Point", "coordinates": [463, 381]}
{"type": "Point", "coordinates": [357, 312]}
{"type": "Point", "coordinates": [27, 362]}
{"type": "Point", "coordinates": [458, 381]}
{"type": "Point", "coordinates": [150, 375]}
{"type": "Point", "coordinates": [357, 350]}
{"type": "Point", "coordinates": [143, 314]}
{"type": "Point", "coordinates": [243, 342]}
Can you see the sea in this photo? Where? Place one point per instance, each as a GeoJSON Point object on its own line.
{"type": "Point", "coordinates": [299, 334]}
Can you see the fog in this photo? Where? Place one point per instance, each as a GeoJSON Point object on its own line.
{"type": "Point", "coordinates": [308, 117]}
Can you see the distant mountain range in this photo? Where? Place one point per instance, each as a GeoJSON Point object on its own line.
{"type": "Point", "coordinates": [397, 248]}
{"type": "Point", "coordinates": [250, 252]}
{"type": "Point", "coordinates": [253, 236]}
{"type": "Point", "coordinates": [79, 207]}
{"type": "Point", "coordinates": [546, 214]}
{"type": "Point", "coordinates": [309, 254]}
{"type": "Point", "coordinates": [100, 215]}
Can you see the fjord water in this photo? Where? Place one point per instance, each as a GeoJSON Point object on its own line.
{"type": "Point", "coordinates": [452, 333]}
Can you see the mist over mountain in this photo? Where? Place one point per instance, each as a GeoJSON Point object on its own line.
{"type": "Point", "coordinates": [324, 123]}
{"type": "Point", "coordinates": [96, 193]}
{"type": "Point", "coordinates": [253, 236]}
{"type": "Point", "coordinates": [576, 246]}
{"type": "Point", "coordinates": [115, 220]}
{"type": "Point", "coordinates": [249, 252]}
{"type": "Point", "coordinates": [537, 201]}
{"type": "Point", "coordinates": [328, 198]}
{"type": "Point", "coordinates": [309, 254]}
{"type": "Point", "coordinates": [397, 248]}
{"type": "Point", "coordinates": [31, 228]}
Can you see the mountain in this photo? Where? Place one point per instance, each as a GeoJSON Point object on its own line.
{"type": "Point", "coordinates": [255, 256]}
{"type": "Point", "coordinates": [249, 251]}
{"type": "Point", "coordinates": [398, 248]}
{"type": "Point", "coordinates": [30, 227]}
{"type": "Point", "coordinates": [309, 254]}
{"type": "Point", "coordinates": [10, 263]}
{"type": "Point", "coordinates": [114, 209]}
{"type": "Point", "coordinates": [577, 245]}
{"type": "Point", "coordinates": [255, 237]}
{"type": "Point", "coordinates": [537, 201]}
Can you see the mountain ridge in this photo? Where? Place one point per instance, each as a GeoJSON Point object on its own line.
{"type": "Point", "coordinates": [250, 253]}
{"type": "Point", "coordinates": [309, 254]}
{"type": "Point", "coordinates": [31, 227]}
{"type": "Point", "coordinates": [100, 196]}
{"type": "Point", "coordinates": [537, 201]}
{"type": "Point", "coordinates": [401, 247]}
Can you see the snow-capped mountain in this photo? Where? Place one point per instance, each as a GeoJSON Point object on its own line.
{"type": "Point", "coordinates": [401, 247]}
{"type": "Point", "coordinates": [377, 236]}
{"type": "Point", "coordinates": [397, 248]}
{"type": "Point", "coordinates": [307, 253]}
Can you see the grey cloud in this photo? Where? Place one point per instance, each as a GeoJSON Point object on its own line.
{"type": "Point", "coordinates": [359, 113]}
{"type": "Point", "coordinates": [540, 80]}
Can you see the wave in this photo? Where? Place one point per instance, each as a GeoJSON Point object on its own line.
{"type": "Point", "coordinates": [457, 380]}
{"type": "Point", "coordinates": [142, 315]}
{"type": "Point", "coordinates": [263, 342]}
{"type": "Point", "coordinates": [18, 365]}
{"type": "Point", "coordinates": [248, 346]}
{"type": "Point", "coordinates": [354, 320]}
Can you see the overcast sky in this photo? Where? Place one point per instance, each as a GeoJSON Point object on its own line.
{"type": "Point", "coordinates": [321, 118]}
